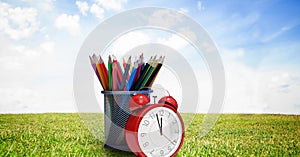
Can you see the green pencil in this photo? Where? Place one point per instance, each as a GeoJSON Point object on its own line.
{"type": "Point", "coordinates": [110, 83]}
{"type": "Point", "coordinates": [146, 78]}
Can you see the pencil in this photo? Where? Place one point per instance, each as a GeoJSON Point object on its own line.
{"type": "Point", "coordinates": [110, 83]}
{"type": "Point", "coordinates": [124, 63]}
{"type": "Point", "coordinates": [118, 70]}
{"type": "Point", "coordinates": [125, 73]}
{"type": "Point", "coordinates": [142, 61]}
{"type": "Point", "coordinates": [147, 76]}
{"type": "Point", "coordinates": [138, 72]}
{"type": "Point", "coordinates": [155, 72]}
{"type": "Point", "coordinates": [95, 59]}
{"type": "Point", "coordinates": [95, 68]}
{"type": "Point", "coordinates": [104, 72]}
{"type": "Point", "coordinates": [114, 77]}
{"type": "Point", "coordinates": [136, 85]}
{"type": "Point", "coordinates": [132, 75]}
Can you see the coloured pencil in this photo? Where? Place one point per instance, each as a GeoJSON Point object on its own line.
{"type": "Point", "coordinates": [147, 76]}
{"type": "Point", "coordinates": [154, 74]}
{"type": "Point", "coordinates": [124, 63]}
{"type": "Point", "coordinates": [125, 73]}
{"type": "Point", "coordinates": [132, 75]}
{"type": "Point", "coordinates": [95, 68]}
{"type": "Point", "coordinates": [116, 77]}
{"type": "Point", "coordinates": [138, 72]}
{"type": "Point", "coordinates": [98, 67]}
{"type": "Point", "coordinates": [136, 85]}
{"type": "Point", "coordinates": [104, 72]}
{"type": "Point", "coordinates": [110, 83]}
{"type": "Point", "coordinates": [118, 71]}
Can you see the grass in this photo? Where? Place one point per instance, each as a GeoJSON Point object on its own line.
{"type": "Point", "coordinates": [233, 135]}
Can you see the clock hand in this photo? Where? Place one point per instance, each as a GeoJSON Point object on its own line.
{"type": "Point", "coordinates": [159, 125]}
{"type": "Point", "coordinates": [168, 139]}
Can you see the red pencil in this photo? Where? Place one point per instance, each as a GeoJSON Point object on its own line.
{"type": "Point", "coordinates": [118, 70]}
{"type": "Point", "coordinates": [138, 71]}
{"type": "Point", "coordinates": [104, 71]}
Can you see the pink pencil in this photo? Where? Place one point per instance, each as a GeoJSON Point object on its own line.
{"type": "Point", "coordinates": [114, 77]}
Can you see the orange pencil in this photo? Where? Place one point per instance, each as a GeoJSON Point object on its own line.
{"type": "Point", "coordinates": [104, 71]}
{"type": "Point", "coordinates": [95, 60]}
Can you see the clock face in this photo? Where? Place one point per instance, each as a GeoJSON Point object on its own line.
{"type": "Point", "coordinates": [160, 132]}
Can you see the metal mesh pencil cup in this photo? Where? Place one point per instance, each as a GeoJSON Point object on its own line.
{"type": "Point", "coordinates": [116, 114]}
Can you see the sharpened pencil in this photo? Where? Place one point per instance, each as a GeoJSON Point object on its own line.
{"type": "Point", "coordinates": [137, 85]}
{"type": "Point", "coordinates": [110, 83]}
{"type": "Point", "coordinates": [125, 73]}
{"type": "Point", "coordinates": [132, 75]}
{"type": "Point", "coordinates": [154, 73]}
{"type": "Point", "coordinates": [104, 72]}
{"type": "Point", "coordinates": [95, 68]}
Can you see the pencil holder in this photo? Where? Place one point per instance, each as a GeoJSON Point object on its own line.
{"type": "Point", "coordinates": [116, 112]}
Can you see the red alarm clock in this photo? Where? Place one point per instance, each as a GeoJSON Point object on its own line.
{"type": "Point", "coordinates": [155, 129]}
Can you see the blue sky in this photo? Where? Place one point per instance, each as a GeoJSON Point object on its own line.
{"type": "Point", "coordinates": [258, 41]}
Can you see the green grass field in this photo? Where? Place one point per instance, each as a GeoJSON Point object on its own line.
{"type": "Point", "coordinates": [233, 135]}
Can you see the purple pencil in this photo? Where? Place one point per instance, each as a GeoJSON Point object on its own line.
{"type": "Point", "coordinates": [95, 68]}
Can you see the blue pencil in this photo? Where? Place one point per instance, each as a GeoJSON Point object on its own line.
{"type": "Point", "coordinates": [133, 73]}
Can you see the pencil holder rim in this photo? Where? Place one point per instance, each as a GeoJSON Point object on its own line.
{"type": "Point", "coordinates": [127, 92]}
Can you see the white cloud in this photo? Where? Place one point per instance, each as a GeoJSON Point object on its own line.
{"type": "Point", "coordinates": [115, 5]}
{"type": "Point", "coordinates": [32, 79]}
{"type": "Point", "coordinates": [281, 31]}
{"type": "Point", "coordinates": [240, 88]}
{"type": "Point", "coordinates": [233, 53]}
{"type": "Point", "coordinates": [259, 90]}
{"type": "Point", "coordinates": [165, 18]}
{"type": "Point", "coordinates": [68, 23]}
{"type": "Point", "coordinates": [47, 5]}
{"type": "Point", "coordinates": [200, 5]}
{"type": "Point", "coordinates": [97, 11]}
{"type": "Point", "coordinates": [278, 91]}
{"type": "Point", "coordinates": [18, 23]}
{"type": "Point", "coordinates": [183, 10]}
{"type": "Point", "coordinates": [129, 41]}
{"type": "Point", "coordinates": [17, 56]}
{"type": "Point", "coordinates": [174, 41]}
{"type": "Point", "coordinates": [47, 46]}
{"type": "Point", "coordinates": [83, 7]}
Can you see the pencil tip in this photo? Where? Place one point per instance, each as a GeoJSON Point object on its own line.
{"type": "Point", "coordinates": [91, 59]}
{"type": "Point", "coordinates": [114, 57]}
{"type": "Point", "coordinates": [163, 59]}
{"type": "Point", "coordinates": [129, 60]}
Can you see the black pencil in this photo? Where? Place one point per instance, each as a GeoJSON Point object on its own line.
{"type": "Point", "coordinates": [142, 75]}
{"type": "Point", "coordinates": [154, 73]}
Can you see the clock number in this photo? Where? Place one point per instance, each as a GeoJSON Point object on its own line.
{"type": "Point", "coordinates": [161, 152]}
{"type": "Point", "coordinates": [174, 122]}
{"type": "Point", "coordinates": [169, 148]}
{"type": "Point", "coordinates": [146, 144]}
{"type": "Point", "coordinates": [152, 115]}
{"type": "Point", "coordinates": [152, 151]}
{"type": "Point", "coordinates": [169, 115]}
{"type": "Point", "coordinates": [174, 142]}
{"type": "Point", "coordinates": [146, 123]}
{"type": "Point", "coordinates": [161, 112]}
{"type": "Point", "coordinates": [176, 131]}
{"type": "Point", "coordinates": [143, 134]}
